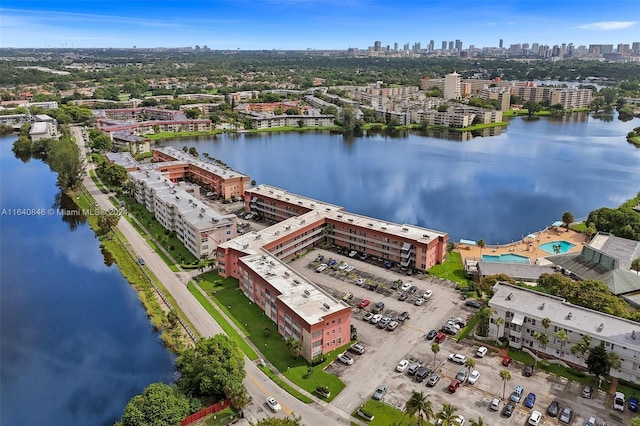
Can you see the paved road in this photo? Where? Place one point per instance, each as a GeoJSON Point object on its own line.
{"type": "Point", "coordinates": [257, 383]}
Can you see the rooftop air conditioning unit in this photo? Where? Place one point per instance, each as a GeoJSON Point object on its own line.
{"type": "Point", "coordinates": [307, 293]}
{"type": "Point", "coordinates": [296, 282]}
{"type": "Point", "coordinates": [405, 229]}
{"type": "Point", "coordinates": [509, 296]}
{"type": "Point", "coordinates": [569, 315]}
{"type": "Point", "coordinates": [326, 306]}
{"type": "Point", "coordinates": [601, 326]}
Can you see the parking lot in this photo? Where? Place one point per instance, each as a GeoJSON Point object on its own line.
{"type": "Point", "coordinates": [384, 349]}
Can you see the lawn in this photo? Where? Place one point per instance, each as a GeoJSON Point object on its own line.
{"type": "Point", "coordinates": [452, 269]}
{"type": "Point", "coordinates": [216, 419]}
{"type": "Point", "coordinates": [262, 332]}
{"type": "Point", "coordinates": [385, 415]}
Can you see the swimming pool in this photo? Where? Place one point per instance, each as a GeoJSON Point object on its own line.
{"type": "Point", "coordinates": [506, 258]}
{"type": "Point", "coordinates": [562, 246]}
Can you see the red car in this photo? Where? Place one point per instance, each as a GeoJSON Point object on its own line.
{"type": "Point", "coordinates": [454, 385]}
{"type": "Point", "coordinates": [440, 337]}
{"type": "Point", "coordinates": [506, 361]}
{"type": "Point", "coordinates": [364, 303]}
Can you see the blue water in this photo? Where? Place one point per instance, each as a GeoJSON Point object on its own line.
{"type": "Point", "coordinates": [505, 258]}
{"type": "Point", "coordinates": [498, 188]}
{"type": "Point", "coordinates": [75, 342]}
{"type": "Point", "coordinates": [565, 246]}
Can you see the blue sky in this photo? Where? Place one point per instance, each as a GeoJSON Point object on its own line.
{"type": "Point", "coordinates": [316, 24]}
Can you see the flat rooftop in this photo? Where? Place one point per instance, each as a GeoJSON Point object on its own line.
{"type": "Point", "coordinates": [566, 315]}
{"type": "Point", "coordinates": [286, 196]}
{"type": "Point", "coordinates": [123, 159]}
{"type": "Point", "coordinates": [296, 291]}
{"type": "Point", "coordinates": [179, 155]}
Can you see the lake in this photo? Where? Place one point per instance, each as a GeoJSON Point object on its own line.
{"type": "Point", "coordinates": [75, 342]}
{"type": "Point", "coordinates": [497, 188]}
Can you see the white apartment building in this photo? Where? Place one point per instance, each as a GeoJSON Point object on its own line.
{"type": "Point", "coordinates": [523, 311]}
{"type": "Point", "coordinates": [199, 227]}
{"type": "Point", "coordinates": [452, 86]}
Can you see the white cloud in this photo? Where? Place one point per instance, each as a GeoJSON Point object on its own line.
{"type": "Point", "coordinates": [607, 25]}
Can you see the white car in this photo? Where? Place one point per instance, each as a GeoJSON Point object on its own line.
{"type": "Point", "coordinates": [473, 377]}
{"type": "Point", "coordinates": [349, 268]}
{"type": "Point", "coordinates": [353, 253]}
{"type": "Point", "coordinates": [343, 266]}
{"type": "Point", "coordinates": [402, 365]}
{"type": "Point", "coordinates": [419, 301]}
{"type": "Point", "coordinates": [322, 267]}
{"type": "Point", "coordinates": [427, 294]}
{"type": "Point", "coordinates": [459, 421]}
{"type": "Point", "coordinates": [376, 318]}
{"type": "Point", "coordinates": [361, 281]}
{"type": "Point", "coordinates": [458, 358]}
{"type": "Point", "coordinates": [534, 418]}
{"type": "Point", "coordinates": [495, 404]}
{"type": "Point", "coordinates": [345, 358]}
{"type": "Point", "coordinates": [405, 286]}
{"type": "Point", "coordinates": [481, 352]}
{"type": "Point", "coordinates": [273, 404]}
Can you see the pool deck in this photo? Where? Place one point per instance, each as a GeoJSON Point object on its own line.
{"type": "Point", "coordinates": [528, 247]}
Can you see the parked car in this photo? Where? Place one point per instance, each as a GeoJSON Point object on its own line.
{"type": "Point", "coordinates": [353, 253]}
{"type": "Point", "coordinates": [587, 391]}
{"type": "Point", "coordinates": [405, 286]}
{"type": "Point", "coordinates": [322, 267]}
{"type": "Point", "coordinates": [347, 296]}
{"type": "Point", "coordinates": [454, 385]}
{"type": "Point", "coordinates": [553, 408]}
{"type": "Point", "coordinates": [357, 348]}
{"type": "Point", "coordinates": [273, 404]}
{"type": "Point", "coordinates": [566, 415]}
{"type": "Point", "coordinates": [392, 325]}
{"type": "Point", "coordinates": [378, 307]}
{"type": "Point", "coordinates": [481, 352]}
{"type": "Point", "coordinates": [364, 303]}
{"type": "Point", "coordinates": [396, 284]}
{"type": "Point", "coordinates": [458, 358]}
{"type": "Point", "coordinates": [473, 303]}
{"type": "Point", "coordinates": [535, 417]}
{"type": "Point", "coordinates": [506, 361]}
{"type": "Point", "coordinates": [618, 401]}
{"type": "Point", "coordinates": [319, 258]}
{"type": "Point", "coordinates": [384, 322]}
{"type": "Point", "coordinates": [413, 368]}
{"type": "Point", "coordinates": [403, 316]}
{"type": "Point", "coordinates": [360, 281]}
{"type": "Point", "coordinates": [591, 421]}
{"type": "Point", "coordinates": [433, 380]}
{"type": "Point", "coordinates": [462, 375]}
{"type": "Point", "coordinates": [388, 264]}
{"type": "Point", "coordinates": [402, 365]}
{"type": "Point", "coordinates": [427, 294]}
{"type": "Point", "coordinates": [528, 370]}
{"type": "Point", "coordinates": [412, 290]}
{"type": "Point", "coordinates": [349, 268]}
{"type": "Point", "coordinates": [530, 400]}
{"type": "Point", "coordinates": [449, 329]}
{"type": "Point", "coordinates": [431, 334]}
{"type": "Point", "coordinates": [403, 296]}
{"type": "Point", "coordinates": [457, 421]}
{"type": "Point", "coordinates": [368, 316]}
{"type": "Point", "coordinates": [508, 409]}
{"type": "Point", "coordinates": [495, 404]}
{"type": "Point", "coordinates": [364, 256]}
{"type": "Point", "coordinates": [345, 358]}
{"type": "Point", "coordinates": [331, 262]}
{"type": "Point", "coordinates": [376, 318]}
{"type": "Point", "coordinates": [419, 301]}
{"type": "Point", "coordinates": [633, 404]}
{"type": "Point", "coordinates": [516, 395]}
{"type": "Point", "coordinates": [379, 393]}
{"type": "Point", "coordinates": [440, 337]}
{"type": "Point", "coordinates": [343, 266]}
{"type": "Point", "coordinates": [473, 377]}
{"type": "Point", "coordinates": [421, 374]}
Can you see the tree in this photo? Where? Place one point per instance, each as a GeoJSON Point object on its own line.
{"type": "Point", "coordinates": [419, 405]}
{"type": "Point", "coordinates": [435, 348]}
{"type": "Point", "coordinates": [470, 363]}
{"type": "Point", "coordinates": [483, 316]}
{"type": "Point", "coordinates": [237, 393]}
{"type": "Point", "coordinates": [635, 421]}
{"type": "Point", "coordinates": [107, 220]}
{"type": "Point", "coordinates": [448, 414]}
{"type": "Point", "coordinates": [505, 375]}
{"type": "Point", "coordinates": [567, 219]}
{"type": "Point", "coordinates": [99, 141]}
{"type": "Point", "coordinates": [294, 346]}
{"type": "Point", "coordinates": [532, 107]}
{"type": "Point", "coordinates": [481, 243]}
{"type": "Point", "coordinates": [499, 322]}
{"type": "Point", "coordinates": [546, 323]}
{"type": "Point", "coordinates": [112, 174]}
{"type": "Point", "coordinates": [541, 338]}
{"type": "Point", "coordinates": [193, 151]}
{"type": "Point", "coordinates": [275, 421]}
{"type": "Point", "coordinates": [159, 404]}
{"type": "Point", "coordinates": [598, 361]}
{"type": "Point", "coordinates": [213, 365]}
{"type": "Point", "coordinates": [635, 265]}
{"type": "Point", "coordinates": [477, 422]}
{"type": "Point", "coordinates": [64, 158]}
{"type": "Point", "coordinates": [563, 337]}
{"type": "Point", "coordinates": [581, 347]}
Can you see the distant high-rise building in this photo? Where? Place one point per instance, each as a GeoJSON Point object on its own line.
{"type": "Point", "coordinates": [451, 45]}
{"type": "Point", "coordinates": [452, 86]}
{"type": "Point", "coordinates": [395, 47]}
{"type": "Point", "coordinates": [623, 48]}
{"type": "Point", "coordinates": [535, 47]}
{"type": "Point", "coordinates": [635, 47]}
{"type": "Point", "coordinates": [377, 46]}
{"type": "Point", "coordinates": [501, 43]}
{"type": "Point", "coordinates": [431, 45]}
{"type": "Point", "coordinates": [459, 45]}
{"type": "Point", "coordinates": [444, 45]}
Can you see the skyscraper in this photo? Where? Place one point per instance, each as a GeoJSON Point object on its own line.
{"type": "Point", "coordinates": [501, 43]}
{"type": "Point", "coordinates": [377, 46]}
{"type": "Point", "coordinates": [431, 45]}
{"type": "Point", "coordinates": [452, 86]}
{"type": "Point", "coordinates": [444, 45]}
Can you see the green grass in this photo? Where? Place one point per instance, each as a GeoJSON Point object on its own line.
{"type": "Point", "coordinates": [228, 329]}
{"type": "Point", "coordinates": [253, 322]}
{"type": "Point", "coordinates": [521, 356]}
{"type": "Point", "coordinates": [216, 418]}
{"type": "Point", "coordinates": [99, 184]}
{"type": "Point", "coordinates": [284, 385]}
{"type": "Point", "coordinates": [385, 415]}
{"type": "Point", "coordinates": [467, 328]}
{"type": "Point", "coordinates": [481, 126]}
{"type": "Point", "coordinates": [452, 269]}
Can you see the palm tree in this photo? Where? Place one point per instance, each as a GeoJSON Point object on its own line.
{"type": "Point", "coordinates": [435, 348]}
{"type": "Point", "coordinates": [294, 346]}
{"type": "Point", "coordinates": [499, 322]}
{"type": "Point", "coordinates": [481, 244]}
{"type": "Point", "coordinates": [581, 347]}
{"type": "Point", "coordinates": [546, 323]}
{"type": "Point", "coordinates": [563, 337]}
{"type": "Point", "coordinates": [542, 339]}
{"type": "Point", "coordinates": [419, 404]}
{"type": "Point", "coordinates": [613, 360]}
{"type": "Point", "coordinates": [505, 375]}
{"type": "Point", "coordinates": [470, 363]}
{"type": "Point", "coordinates": [477, 422]}
{"type": "Point", "coordinates": [448, 414]}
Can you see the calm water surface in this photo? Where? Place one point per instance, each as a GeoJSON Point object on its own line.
{"type": "Point", "coordinates": [75, 342]}
{"type": "Point", "coordinates": [497, 188]}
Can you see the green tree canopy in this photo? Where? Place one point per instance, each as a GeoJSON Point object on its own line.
{"type": "Point", "coordinates": [63, 157]}
{"type": "Point", "coordinates": [159, 405]}
{"type": "Point", "coordinates": [275, 421]}
{"type": "Point", "coordinates": [598, 363]}
{"type": "Point", "coordinates": [420, 406]}
{"type": "Point", "coordinates": [213, 366]}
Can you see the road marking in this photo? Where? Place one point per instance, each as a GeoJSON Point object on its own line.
{"type": "Point", "coordinates": [414, 328]}
{"type": "Point", "coordinates": [264, 391]}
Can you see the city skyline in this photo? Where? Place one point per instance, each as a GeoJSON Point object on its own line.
{"type": "Point", "coordinates": [305, 24]}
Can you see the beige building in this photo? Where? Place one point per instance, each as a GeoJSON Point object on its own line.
{"type": "Point", "coordinates": [452, 86]}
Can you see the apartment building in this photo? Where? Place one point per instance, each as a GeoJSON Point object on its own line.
{"type": "Point", "coordinates": [523, 310]}
{"type": "Point", "coordinates": [199, 227]}
{"type": "Point", "coordinates": [500, 94]}
{"type": "Point", "coordinates": [452, 86]}
{"type": "Point", "coordinates": [300, 309]}
{"type": "Point", "coordinates": [262, 121]}
{"type": "Point", "coordinates": [223, 181]}
{"type": "Point", "coordinates": [571, 98]}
